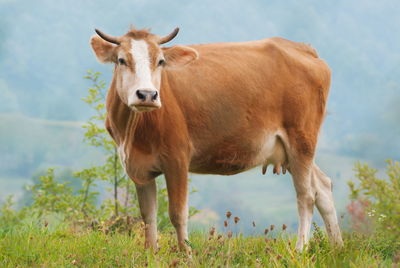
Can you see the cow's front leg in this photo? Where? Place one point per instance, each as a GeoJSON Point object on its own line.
{"type": "Point", "coordinates": [147, 196]}
{"type": "Point", "coordinates": [177, 186]}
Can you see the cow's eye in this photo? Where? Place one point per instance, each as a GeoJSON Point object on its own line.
{"type": "Point", "coordinates": [121, 61]}
{"type": "Point", "coordinates": [161, 62]}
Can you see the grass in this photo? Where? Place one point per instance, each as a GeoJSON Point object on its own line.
{"type": "Point", "coordinates": [34, 245]}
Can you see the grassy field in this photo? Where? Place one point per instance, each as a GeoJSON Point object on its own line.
{"type": "Point", "coordinates": [31, 245]}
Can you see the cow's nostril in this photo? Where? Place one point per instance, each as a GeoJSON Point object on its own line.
{"type": "Point", "coordinates": [154, 96]}
{"type": "Point", "coordinates": [140, 95]}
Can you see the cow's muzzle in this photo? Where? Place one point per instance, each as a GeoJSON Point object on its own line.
{"type": "Point", "coordinates": [146, 100]}
{"type": "Point", "coordinates": [146, 95]}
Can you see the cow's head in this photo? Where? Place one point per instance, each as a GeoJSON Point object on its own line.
{"type": "Point", "coordinates": [139, 61]}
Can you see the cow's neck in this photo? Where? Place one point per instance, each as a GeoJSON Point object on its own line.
{"type": "Point", "coordinates": [140, 130]}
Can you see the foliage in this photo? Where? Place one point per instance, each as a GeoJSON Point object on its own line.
{"type": "Point", "coordinates": [9, 216]}
{"type": "Point", "coordinates": [50, 196]}
{"type": "Point", "coordinates": [87, 195]}
{"type": "Point", "coordinates": [62, 176]}
{"type": "Point", "coordinates": [375, 206]}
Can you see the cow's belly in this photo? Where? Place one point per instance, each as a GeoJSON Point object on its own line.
{"type": "Point", "coordinates": [230, 158]}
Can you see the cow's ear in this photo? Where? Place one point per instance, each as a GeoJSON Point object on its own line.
{"type": "Point", "coordinates": [105, 51]}
{"type": "Point", "coordinates": [179, 55]}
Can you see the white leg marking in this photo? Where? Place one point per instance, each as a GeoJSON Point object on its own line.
{"type": "Point", "coordinates": [325, 204]}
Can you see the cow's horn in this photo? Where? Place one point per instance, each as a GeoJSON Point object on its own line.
{"type": "Point", "coordinates": [169, 37]}
{"type": "Point", "coordinates": [108, 38]}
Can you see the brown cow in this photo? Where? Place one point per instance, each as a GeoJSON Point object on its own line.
{"type": "Point", "coordinates": [218, 108]}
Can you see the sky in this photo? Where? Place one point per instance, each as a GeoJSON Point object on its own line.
{"type": "Point", "coordinates": [44, 53]}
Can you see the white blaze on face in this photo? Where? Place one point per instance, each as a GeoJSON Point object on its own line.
{"type": "Point", "coordinates": [143, 79]}
{"type": "Point", "coordinates": [140, 55]}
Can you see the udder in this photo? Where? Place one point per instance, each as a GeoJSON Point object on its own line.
{"type": "Point", "coordinates": [273, 153]}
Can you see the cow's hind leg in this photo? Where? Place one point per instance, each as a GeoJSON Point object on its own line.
{"type": "Point", "coordinates": [177, 186]}
{"type": "Point", "coordinates": [301, 173]}
{"type": "Point", "coordinates": [147, 196]}
{"type": "Point", "coordinates": [324, 201]}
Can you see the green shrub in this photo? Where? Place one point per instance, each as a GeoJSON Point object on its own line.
{"type": "Point", "coordinates": [52, 197]}
{"type": "Point", "coordinates": [9, 216]}
{"type": "Point", "coordinates": [377, 201]}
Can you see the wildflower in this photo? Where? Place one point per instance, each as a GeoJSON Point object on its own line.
{"type": "Point", "coordinates": [212, 231]}
{"type": "Point", "coordinates": [228, 214]}
{"type": "Point", "coordinates": [381, 217]}
{"type": "Point", "coordinates": [229, 234]}
{"type": "Point", "coordinates": [236, 219]}
{"type": "Point", "coordinates": [371, 213]}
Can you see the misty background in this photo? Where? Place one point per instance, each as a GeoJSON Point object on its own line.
{"type": "Point", "coordinates": [45, 52]}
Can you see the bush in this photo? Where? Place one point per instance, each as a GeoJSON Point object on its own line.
{"type": "Point", "coordinates": [9, 217]}
{"type": "Point", "coordinates": [375, 206]}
